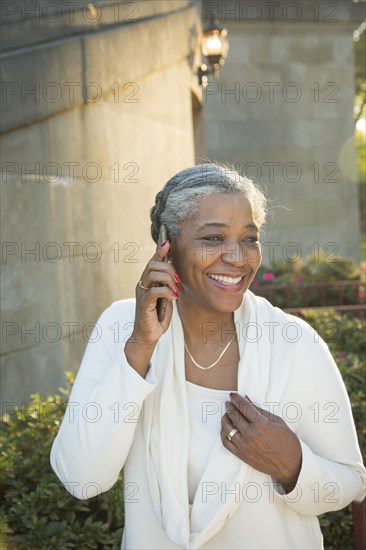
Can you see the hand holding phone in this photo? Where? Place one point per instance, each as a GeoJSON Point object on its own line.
{"type": "Point", "coordinates": [155, 292]}
{"type": "Point", "coordinates": [152, 314]}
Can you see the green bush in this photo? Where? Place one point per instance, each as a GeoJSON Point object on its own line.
{"type": "Point", "coordinates": [36, 510]}
{"type": "Point", "coordinates": [346, 337]}
{"type": "Point", "coordinates": [313, 270]}
{"type": "Point", "coordinates": [38, 513]}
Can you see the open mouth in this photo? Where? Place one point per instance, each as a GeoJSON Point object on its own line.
{"type": "Point", "coordinates": [228, 283]}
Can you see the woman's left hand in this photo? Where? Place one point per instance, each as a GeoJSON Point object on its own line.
{"type": "Point", "coordinates": [264, 441]}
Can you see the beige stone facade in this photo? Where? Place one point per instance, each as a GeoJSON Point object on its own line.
{"type": "Point", "coordinates": [95, 121]}
{"type": "Point", "coordinates": [101, 106]}
{"type": "Point", "coordinates": [282, 113]}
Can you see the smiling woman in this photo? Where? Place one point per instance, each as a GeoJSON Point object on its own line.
{"type": "Point", "coordinates": [223, 253]}
{"type": "Point", "coordinates": [201, 478]}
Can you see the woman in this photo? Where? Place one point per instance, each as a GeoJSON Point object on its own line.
{"type": "Point", "coordinates": [229, 417]}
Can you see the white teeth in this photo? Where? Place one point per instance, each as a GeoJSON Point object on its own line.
{"type": "Point", "coordinates": [225, 279]}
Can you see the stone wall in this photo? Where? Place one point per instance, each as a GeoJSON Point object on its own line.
{"type": "Point", "coordinates": [95, 119]}
{"type": "Point", "coordinates": [282, 113]}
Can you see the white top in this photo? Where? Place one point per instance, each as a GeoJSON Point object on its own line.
{"type": "Point", "coordinates": [116, 419]}
{"type": "Point", "coordinates": [206, 407]}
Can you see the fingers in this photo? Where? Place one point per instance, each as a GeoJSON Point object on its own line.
{"type": "Point", "coordinates": [159, 267]}
{"type": "Point", "coordinates": [236, 418]}
{"type": "Point", "coordinates": [246, 408]}
{"type": "Point", "coordinates": [153, 278]}
{"type": "Point", "coordinates": [227, 424]}
{"type": "Point", "coordinates": [158, 280]}
{"type": "Point", "coordinates": [161, 252]}
{"type": "Point", "coordinates": [271, 416]}
{"type": "Point", "coordinates": [254, 413]}
{"type": "Point", "coordinates": [156, 292]}
{"type": "Point", "coordinates": [159, 272]}
{"type": "Point", "coordinates": [226, 427]}
{"type": "Point", "coordinates": [158, 285]}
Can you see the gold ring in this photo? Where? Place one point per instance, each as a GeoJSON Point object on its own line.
{"type": "Point", "coordinates": [232, 433]}
{"type": "Point", "coordinates": [142, 286]}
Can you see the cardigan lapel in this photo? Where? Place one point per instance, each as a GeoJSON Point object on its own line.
{"type": "Point", "coordinates": [218, 493]}
{"type": "Point", "coordinates": [166, 433]}
{"type": "Point", "coordinates": [165, 423]}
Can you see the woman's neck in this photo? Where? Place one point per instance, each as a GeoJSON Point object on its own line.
{"type": "Point", "coordinates": [205, 325]}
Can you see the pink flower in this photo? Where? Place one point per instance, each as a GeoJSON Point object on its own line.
{"type": "Point", "coordinates": [268, 276]}
{"type": "Point", "coordinates": [361, 294]}
{"type": "Point", "coordinates": [298, 278]}
{"type": "Point", "coordinates": [363, 267]}
{"type": "Point", "coordinates": [341, 355]}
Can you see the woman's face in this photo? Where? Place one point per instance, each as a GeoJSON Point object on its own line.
{"type": "Point", "coordinates": [220, 241]}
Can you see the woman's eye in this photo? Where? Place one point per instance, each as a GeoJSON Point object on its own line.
{"type": "Point", "coordinates": [251, 240]}
{"type": "Point", "coordinates": [217, 238]}
{"type": "Point", "coordinates": [212, 238]}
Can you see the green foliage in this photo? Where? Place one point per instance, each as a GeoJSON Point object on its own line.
{"type": "Point", "coordinates": [316, 269]}
{"type": "Point", "coordinates": [38, 513]}
{"type": "Point", "coordinates": [346, 337]}
{"type": "Point", "coordinates": [360, 74]}
{"type": "Point", "coordinates": [36, 510]}
{"type": "Point", "coordinates": [361, 158]}
{"type": "Point", "coordinates": [359, 113]}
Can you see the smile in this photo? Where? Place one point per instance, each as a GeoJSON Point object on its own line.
{"type": "Point", "coordinates": [224, 282]}
{"type": "Point", "coordinates": [225, 279]}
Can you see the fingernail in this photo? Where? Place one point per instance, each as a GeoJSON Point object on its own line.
{"type": "Point", "coordinates": [247, 396]}
{"type": "Point", "coordinates": [164, 243]}
{"type": "Point", "coordinates": [176, 277]}
{"type": "Point", "coordinates": [177, 288]}
{"type": "Point", "coordinates": [175, 294]}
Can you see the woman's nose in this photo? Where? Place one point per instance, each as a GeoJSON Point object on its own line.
{"type": "Point", "coordinates": [240, 253]}
{"type": "Point", "coordinates": [233, 253]}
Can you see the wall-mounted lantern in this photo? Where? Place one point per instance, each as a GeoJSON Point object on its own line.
{"type": "Point", "coordinates": [215, 47]}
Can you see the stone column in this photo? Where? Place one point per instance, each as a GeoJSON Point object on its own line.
{"type": "Point", "coordinates": [282, 113]}
{"type": "Point", "coordinates": [97, 115]}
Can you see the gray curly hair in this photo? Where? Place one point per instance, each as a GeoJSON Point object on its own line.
{"type": "Point", "coordinates": [180, 196]}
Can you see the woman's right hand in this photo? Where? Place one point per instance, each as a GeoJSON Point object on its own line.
{"type": "Point", "coordinates": [148, 328]}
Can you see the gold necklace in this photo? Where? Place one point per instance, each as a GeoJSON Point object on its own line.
{"type": "Point", "coordinates": [217, 360]}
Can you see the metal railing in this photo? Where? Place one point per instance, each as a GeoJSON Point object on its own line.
{"type": "Point", "coordinates": [343, 296]}
{"type": "Point", "coordinates": [359, 528]}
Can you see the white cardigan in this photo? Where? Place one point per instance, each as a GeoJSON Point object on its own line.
{"type": "Point", "coordinates": [116, 419]}
{"type": "Point", "coordinates": [206, 406]}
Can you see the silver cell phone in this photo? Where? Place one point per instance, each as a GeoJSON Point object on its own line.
{"type": "Point", "coordinates": [161, 302]}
